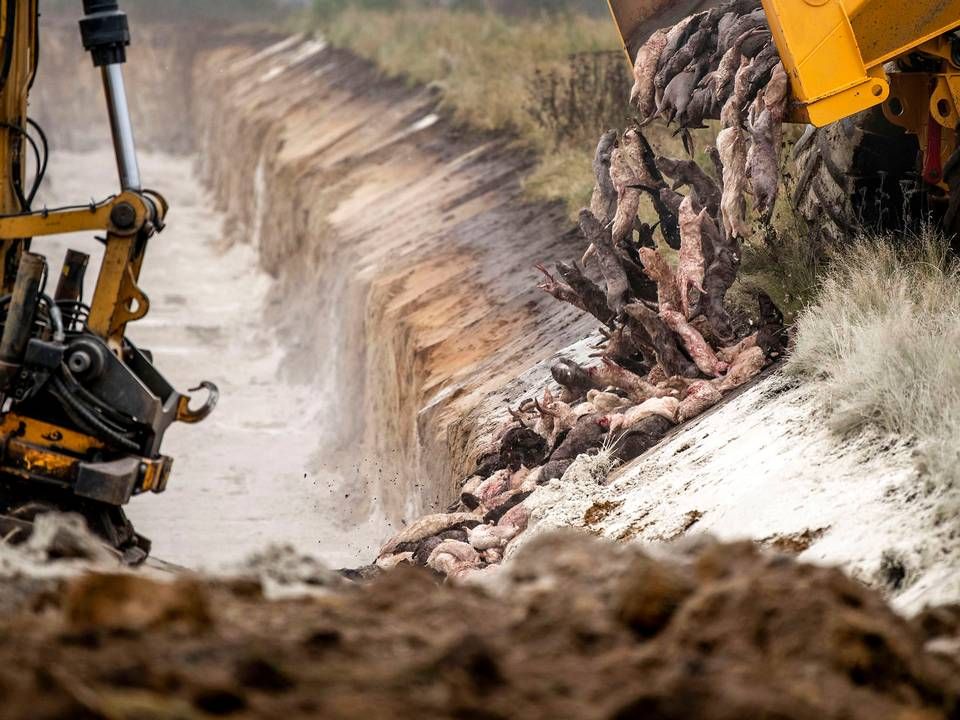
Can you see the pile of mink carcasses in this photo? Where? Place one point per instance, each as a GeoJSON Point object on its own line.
{"type": "Point", "coordinates": [670, 347]}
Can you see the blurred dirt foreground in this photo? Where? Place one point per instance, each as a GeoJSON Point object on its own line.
{"type": "Point", "coordinates": [576, 627]}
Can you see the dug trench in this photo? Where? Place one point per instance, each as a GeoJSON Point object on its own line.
{"type": "Point", "coordinates": [374, 279]}
{"type": "Point", "coordinates": [402, 297]}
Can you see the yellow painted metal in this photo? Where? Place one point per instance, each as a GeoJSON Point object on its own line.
{"type": "Point", "coordinates": [30, 448]}
{"type": "Point", "coordinates": [155, 472]}
{"type": "Point", "coordinates": [13, 113]}
{"type": "Point", "coordinates": [117, 300]}
{"type": "Point", "coordinates": [835, 50]}
{"type": "Point", "coordinates": [945, 99]}
{"type": "Point", "coordinates": [25, 460]}
{"type": "Point", "coordinates": [46, 435]}
{"type": "Point", "coordinates": [35, 449]}
{"type": "Point", "coordinates": [820, 53]}
{"type": "Point", "coordinates": [87, 219]}
{"type": "Point", "coordinates": [887, 29]}
{"type": "Point", "coordinates": [113, 298]}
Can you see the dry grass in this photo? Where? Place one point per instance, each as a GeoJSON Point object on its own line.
{"type": "Point", "coordinates": [557, 82]}
{"type": "Point", "coordinates": [178, 10]}
{"type": "Point", "coordinates": [882, 339]}
{"type": "Point", "coordinates": [484, 63]}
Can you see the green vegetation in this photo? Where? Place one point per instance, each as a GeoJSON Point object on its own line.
{"type": "Point", "coordinates": [882, 340]}
{"type": "Point", "coordinates": [555, 80]}
{"type": "Point", "coordinates": [783, 261]}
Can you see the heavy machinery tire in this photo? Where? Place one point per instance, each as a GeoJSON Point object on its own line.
{"type": "Point", "coordinates": [859, 173]}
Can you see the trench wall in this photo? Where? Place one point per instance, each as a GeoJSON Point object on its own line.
{"type": "Point", "coordinates": [401, 247]}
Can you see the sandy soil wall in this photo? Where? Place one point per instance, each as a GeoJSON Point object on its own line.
{"type": "Point", "coordinates": [402, 251]}
{"type": "Point", "coordinates": [401, 246]}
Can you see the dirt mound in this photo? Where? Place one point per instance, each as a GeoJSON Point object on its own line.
{"type": "Point", "coordinates": [575, 628]}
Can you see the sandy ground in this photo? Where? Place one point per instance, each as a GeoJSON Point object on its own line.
{"type": "Point", "coordinates": [767, 467]}
{"type": "Point", "coordinates": [250, 475]}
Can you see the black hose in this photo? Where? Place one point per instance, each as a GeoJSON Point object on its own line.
{"type": "Point", "coordinates": [87, 419]}
{"type": "Point", "coordinates": [113, 418]}
{"type": "Point", "coordinates": [26, 201]}
{"type": "Point", "coordinates": [46, 211]}
{"type": "Point", "coordinates": [56, 319]}
{"type": "Point", "coordinates": [8, 36]}
{"type": "Point", "coordinates": [41, 167]}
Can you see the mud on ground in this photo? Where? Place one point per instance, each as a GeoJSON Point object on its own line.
{"type": "Point", "coordinates": [577, 627]}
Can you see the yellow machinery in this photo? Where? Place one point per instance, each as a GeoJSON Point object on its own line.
{"type": "Point", "coordinates": [83, 409]}
{"type": "Point", "coordinates": [846, 56]}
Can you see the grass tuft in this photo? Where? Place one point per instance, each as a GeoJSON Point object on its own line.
{"type": "Point", "coordinates": [881, 340]}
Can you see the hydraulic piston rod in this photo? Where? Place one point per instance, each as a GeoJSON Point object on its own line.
{"type": "Point", "coordinates": [121, 127]}
{"type": "Point", "coordinates": [106, 34]}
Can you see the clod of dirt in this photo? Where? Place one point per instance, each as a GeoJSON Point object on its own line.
{"type": "Point", "coordinates": [650, 594]}
{"type": "Point", "coordinates": [58, 536]}
{"type": "Point", "coordinates": [689, 520]}
{"type": "Point", "coordinates": [795, 543]}
{"type": "Point", "coordinates": [939, 622]}
{"type": "Point", "coordinates": [59, 547]}
{"type": "Point", "coordinates": [599, 511]}
{"type": "Point", "coordinates": [134, 604]}
{"type": "Point", "coordinates": [575, 627]}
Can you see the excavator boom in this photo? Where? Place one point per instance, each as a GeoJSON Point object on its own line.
{"type": "Point", "coordinates": [83, 410]}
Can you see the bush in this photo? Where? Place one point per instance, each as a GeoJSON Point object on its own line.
{"type": "Point", "coordinates": [881, 340]}
{"type": "Point", "coordinates": [577, 101]}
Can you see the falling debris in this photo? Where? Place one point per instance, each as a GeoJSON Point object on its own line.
{"type": "Point", "coordinates": [671, 346]}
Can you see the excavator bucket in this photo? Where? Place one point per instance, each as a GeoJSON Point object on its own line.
{"type": "Point", "coordinates": [637, 20]}
{"type": "Point", "coordinates": [833, 50]}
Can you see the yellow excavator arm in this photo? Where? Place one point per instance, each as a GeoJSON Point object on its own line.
{"type": "Point", "coordinates": [83, 410]}
{"type": "Point", "coordinates": [835, 51]}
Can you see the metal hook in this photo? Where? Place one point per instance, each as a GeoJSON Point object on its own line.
{"type": "Point", "coordinates": [187, 415]}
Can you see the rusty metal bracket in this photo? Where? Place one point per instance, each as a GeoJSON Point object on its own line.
{"type": "Point", "coordinates": [186, 414]}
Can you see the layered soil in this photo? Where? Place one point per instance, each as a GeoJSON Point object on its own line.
{"type": "Point", "coordinates": [402, 250]}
